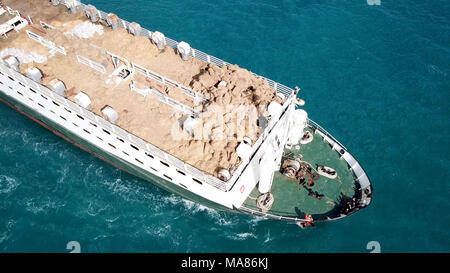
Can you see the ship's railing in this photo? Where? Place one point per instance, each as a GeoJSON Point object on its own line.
{"type": "Point", "coordinates": [151, 75]}
{"type": "Point", "coordinates": [45, 42]}
{"type": "Point", "coordinates": [325, 132]}
{"type": "Point", "coordinates": [45, 25]}
{"type": "Point", "coordinates": [96, 66]}
{"type": "Point", "coordinates": [271, 216]}
{"type": "Point", "coordinates": [166, 81]}
{"type": "Point", "coordinates": [164, 99]}
{"type": "Point", "coordinates": [194, 52]}
{"type": "Point", "coordinates": [11, 11]}
{"type": "Point", "coordinates": [360, 174]}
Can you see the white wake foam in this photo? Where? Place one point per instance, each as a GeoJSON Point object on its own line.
{"type": "Point", "coordinates": [242, 236]}
{"type": "Point", "coordinates": [8, 184]}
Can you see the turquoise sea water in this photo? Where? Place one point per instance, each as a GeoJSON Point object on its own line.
{"type": "Point", "coordinates": [376, 76]}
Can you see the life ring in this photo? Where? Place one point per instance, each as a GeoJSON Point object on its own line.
{"type": "Point", "coordinates": [242, 189]}
{"type": "Point", "coordinates": [327, 172]}
{"type": "Point", "coordinates": [306, 138]}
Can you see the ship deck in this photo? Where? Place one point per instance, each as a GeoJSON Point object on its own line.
{"type": "Point", "coordinates": [292, 199]}
{"type": "Point", "coordinates": [146, 117]}
{"type": "Point", "coordinates": [5, 17]}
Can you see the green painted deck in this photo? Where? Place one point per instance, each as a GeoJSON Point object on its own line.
{"type": "Point", "coordinates": [292, 199]}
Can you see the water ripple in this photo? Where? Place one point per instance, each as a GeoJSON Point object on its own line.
{"type": "Point", "coordinates": [8, 184]}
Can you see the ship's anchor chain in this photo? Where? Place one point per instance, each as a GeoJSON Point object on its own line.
{"type": "Point", "coordinates": [265, 201]}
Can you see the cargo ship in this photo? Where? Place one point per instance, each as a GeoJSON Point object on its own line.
{"type": "Point", "coordinates": [186, 121]}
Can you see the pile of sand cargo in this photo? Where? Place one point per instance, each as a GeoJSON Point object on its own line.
{"type": "Point", "coordinates": [237, 99]}
{"type": "Point", "coordinates": [233, 85]}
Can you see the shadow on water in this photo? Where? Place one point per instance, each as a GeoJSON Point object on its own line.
{"type": "Point", "coordinates": [342, 206]}
{"type": "Point", "coordinates": [300, 213]}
